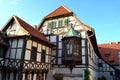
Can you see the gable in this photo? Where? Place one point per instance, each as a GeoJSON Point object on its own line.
{"type": "Point", "coordinates": [13, 28]}
{"type": "Point", "coordinates": [62, 10]}
{"type": "Point", "coordinates": [18, 27]}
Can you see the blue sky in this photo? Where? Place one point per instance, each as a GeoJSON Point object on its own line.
{"type": "Point", "coordinates": [102, 15]}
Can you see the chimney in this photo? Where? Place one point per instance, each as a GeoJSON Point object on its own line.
{"type": "Point", "coordinates": [117, 42]}
{"type": "Point", "coordinates": [110, 43]}
{"type": "Point", "coordinates": [35, 27]}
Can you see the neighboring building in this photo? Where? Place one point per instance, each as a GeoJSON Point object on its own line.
{"type": "Point", "coordinates": [110, 52]}
{"type": "Point", "coordinates": [76, 53]}
{"type": "Point", "coordinates": [26, 54]}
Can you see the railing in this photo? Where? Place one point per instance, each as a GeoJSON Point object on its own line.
{"type": "Point", "coordinates": [29, 65]}
{"type": "Point", "coordinates": [15, 64]}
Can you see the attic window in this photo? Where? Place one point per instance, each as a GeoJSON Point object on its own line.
{"type": "Point", "coordinates": [53, 24]}
{"type": "Point", "coordinates": [107, 54]}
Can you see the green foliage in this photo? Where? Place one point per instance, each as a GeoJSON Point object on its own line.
{"type": "Point", "coordinates": [86, 74]}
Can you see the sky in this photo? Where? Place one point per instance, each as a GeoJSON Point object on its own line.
{"type": "Point", "coordinates": [102, 15]}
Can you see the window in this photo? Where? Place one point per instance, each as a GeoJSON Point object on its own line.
{"type": "Point", "coordinates": [53, 24]}
{"type": "Point", "coordinates": [33, 54]}
{"type": "Point", "coordinates": [107, 54]}
{"type": "Point", "coordinates": [60, 23]}
{"type": "Point", "coordinates": [70, 47]}
{"type": "Point", "coordinates": [43, 56]}
{"type": "Point", "coordinates": [66, 22]}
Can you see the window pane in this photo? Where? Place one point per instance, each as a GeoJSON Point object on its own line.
{"type": "Point", "coordinates": [43, 56]}
{"type": "Point", "coordinates": [53, 24]}
{"type": "Point", "coordinates": [60, 23]}
{"type": "Point", "coordinates": [12, 54]}
{"type": "Point", "coordinates": [33, 54]}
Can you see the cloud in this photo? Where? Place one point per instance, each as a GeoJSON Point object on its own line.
{"type": "Point", "coordinates": [15, 2]}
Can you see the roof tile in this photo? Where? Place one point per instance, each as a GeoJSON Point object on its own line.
{"type": "Point", "coordinates": [62, 10]}
{"type": "Point", "coordinates": [31, 30]}
{"type": "Point", "coordinates": [112, 49]}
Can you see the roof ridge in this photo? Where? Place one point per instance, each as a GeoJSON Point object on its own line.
{"type": "Point", "coordinates": [66, 8]}
{"type": "Point", "coordinates": [61, 10]}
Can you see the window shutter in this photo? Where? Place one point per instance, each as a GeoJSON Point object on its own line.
{"type": "Point", "coordinates": [66, 22]}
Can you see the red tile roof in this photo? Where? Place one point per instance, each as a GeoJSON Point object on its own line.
{"type": "Point", "coordinates": [112, 50]}
{"type": "Point", "coordinates": [62, 10]}
{"type": "Point", "coordinates": [31, 30]}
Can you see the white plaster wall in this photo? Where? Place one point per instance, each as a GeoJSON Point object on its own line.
{"type": "Point", "coordinates": [83, 35]}
{"type": "Point", "coordinates": [27, 55]}
{"type": "Point", "coordinates": [46, 59]}
{"type": "Point", "coordinates": [39, 48]}
{"type": "Point", "coordinates": [38, 57]}
{"type": "Point", "coordinates": [34, 44]}
{"type": "Point", "coordinates": [29, 44]}
{"type": "Point", "coordinates": [43, 47]}
{"type": "Point", "coordinates": [47, 50]}
{"type": "Point", "coordinates": [20, 32]}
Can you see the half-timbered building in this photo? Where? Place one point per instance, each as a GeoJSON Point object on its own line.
{"type": "Point", "coordinates": [26, 54]}
{"type": "Point", "coordinates": [62, 48]}
{"type": "Point", "coordinates": [76, 56]}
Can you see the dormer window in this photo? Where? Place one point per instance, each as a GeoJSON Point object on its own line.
{"type": "Point", "coordinates": [107, 54]}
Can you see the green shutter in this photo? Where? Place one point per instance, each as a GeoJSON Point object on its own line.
{"type": "Point", "coordinates": [66, 22]}
{"type": "Point", "coordinates": [49, 25]}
